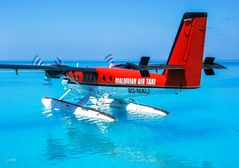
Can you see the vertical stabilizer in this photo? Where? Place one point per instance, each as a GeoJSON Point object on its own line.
{"type": "Point", "coordinates": [187, 51]}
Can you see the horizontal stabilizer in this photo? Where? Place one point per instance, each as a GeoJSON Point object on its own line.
{"type": "Point", "coordinates": [209, 66]}
{"type": "Point", "coordinates": [162, 66]}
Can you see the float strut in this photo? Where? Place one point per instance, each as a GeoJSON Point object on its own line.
{"type": "Point", "coordinates": [68, 91]}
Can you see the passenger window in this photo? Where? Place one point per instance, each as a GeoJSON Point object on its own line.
{"type": "Point", "coordinates": [89, 77]}
{"type": "Point", "coordinates": [103, 78]}
{"type": "Point", "coordinates": [111, 79]}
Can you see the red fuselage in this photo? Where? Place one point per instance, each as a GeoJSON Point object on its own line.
{"type": "Point", "coordinates": [118, 77]}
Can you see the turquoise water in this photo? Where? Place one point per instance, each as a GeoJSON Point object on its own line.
{"type": "Point", "coordinates": [202, 129]}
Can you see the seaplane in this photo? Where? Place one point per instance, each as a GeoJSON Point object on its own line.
{"type": "Point", "coordinates": [118, 84]}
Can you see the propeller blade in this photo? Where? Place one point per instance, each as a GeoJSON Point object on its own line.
{"type": "Point", "coordinates": [109, 59]}
{"type": "Point", "coordinates": [37, 60]}
{"type": "Point", "coordinates": [57, 61]}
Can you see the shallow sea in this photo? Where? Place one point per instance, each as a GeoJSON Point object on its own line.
{"type": "Point", "coordinates": [202, 130]}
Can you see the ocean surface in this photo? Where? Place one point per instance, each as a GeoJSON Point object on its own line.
{"type": "Point", "coordinates": [201, 131]}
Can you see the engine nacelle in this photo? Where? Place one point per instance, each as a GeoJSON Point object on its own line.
{"type": "Point", "coordinates": [54, 74]}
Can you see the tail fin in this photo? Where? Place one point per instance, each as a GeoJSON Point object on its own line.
{"type": "Point", "coordinates": [187, 51]}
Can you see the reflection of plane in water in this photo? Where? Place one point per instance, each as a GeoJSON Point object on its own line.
{"type": "Point", "coordinates": [100, 138]}
{"type": "Point", "coordinates": [117, 84]}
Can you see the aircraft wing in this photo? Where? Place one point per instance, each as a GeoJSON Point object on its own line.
{"type": "Point", "coordinates": [52, 71]}
{"type": "Point", "coordinates": [45, 67]}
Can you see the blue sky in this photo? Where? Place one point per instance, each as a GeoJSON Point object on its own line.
{"type": "Point", "coordinates": [90, 29]}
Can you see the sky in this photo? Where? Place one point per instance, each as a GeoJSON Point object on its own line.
{"type": "Point", "coordinates": [129, 29]}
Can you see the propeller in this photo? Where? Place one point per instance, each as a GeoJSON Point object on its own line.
{"type": "Point", "coordinates": [57, 61]}
{"type": "Point", "coordinates": [38, 62]}
{"type": "Point", "coordinates": [110, 60]}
